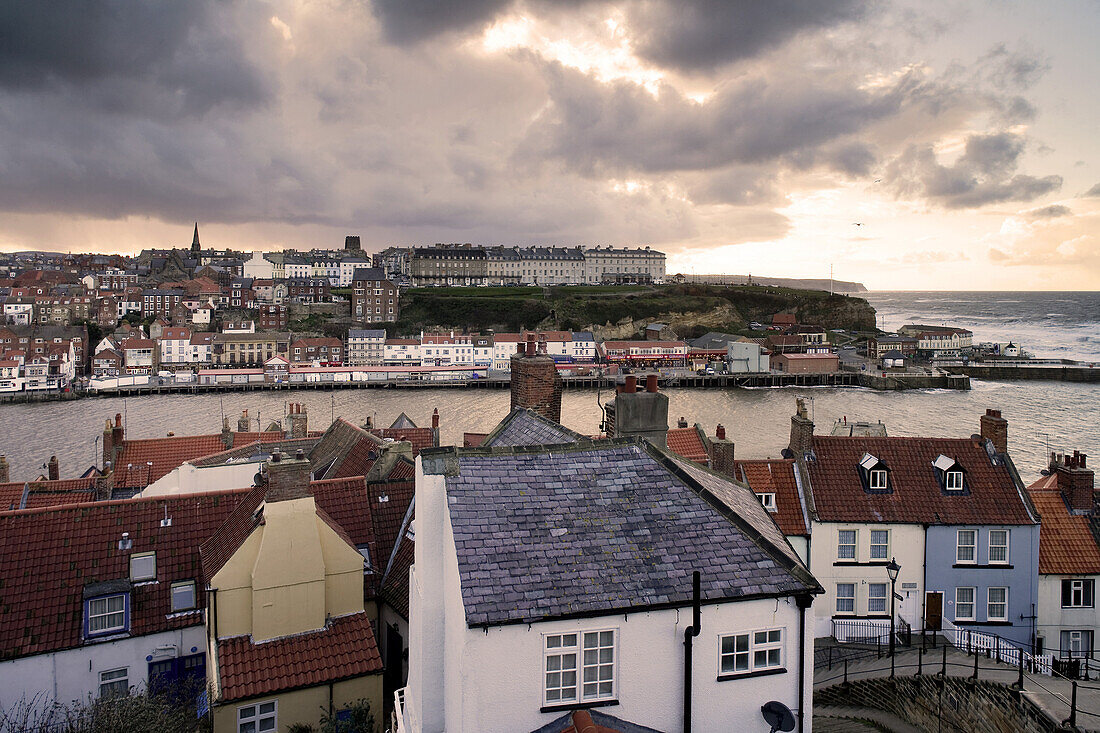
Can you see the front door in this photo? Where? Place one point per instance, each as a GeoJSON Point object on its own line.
{"type": "Point", "coordinates": [933, 610]}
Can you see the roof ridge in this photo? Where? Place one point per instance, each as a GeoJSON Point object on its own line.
{"type": "Point", "coordinates": [124, 502]}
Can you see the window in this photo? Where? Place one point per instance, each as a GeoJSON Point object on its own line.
{"type": "Point", "coordinates": [106, 614]}
{"type": "Point", "coordinates": [877, 479]}
{"type": "Point", "coordinates": [183, 596]}
{"type": "Point", "coordinates": [768, 500]}
{"type": "Point", "coordinates": [846, 544]}
{"type": "Point", "coordinates": [998, 546]}
{"type": "Point", "coordinates": [964, 604]}
{"type": "Point", "coordinates": [880, 544]}
{"type": "Point", "coordinates": [114, 682]}
{"type": "Point", "coordinates": [997, 607]}
{"type": "Point", "coordinates": [846, 598]}
{"type": "Point", "coordinates": [876, 598]}
{"type": "Point", "coordinates": [1077, 593]}
{"type": "Point", "coordinates": [967, 543]}
{"type": "Point", "coordinates": [953, 481]}
{"type": "Point", "coordinates": [579, 673]}
{"type": "Point", "coordinates": [259, 717]}
{"type": "Point", "coordinates": [752, 652]}
{"type": "Point", "coordinates": [1076, 643]}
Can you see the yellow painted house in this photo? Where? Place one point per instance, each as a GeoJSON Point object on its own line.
{"type": "Point", "coordinates": [289, 640]}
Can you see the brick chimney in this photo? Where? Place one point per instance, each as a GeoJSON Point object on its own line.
{"type": "Point", "coordinates": [243, 422]}
{"type": "Point", "coordinates": [644, 414]}
{"type": "Point", "coordinates": [108, 444]}
{"type": "Point", "coordinates": [299, 420]}
{"type": "Point", "coordinates": [995, 430]}
{"type": "Point", "coordinates": [118, 434]}
{"type": "Point", "coordinates": [721, 453]}
{"type": "Point", "coordinates": [5, 470]}
{"type": "Point", "coordinates": [435, 427]}
{"type": "Point", "coordinates": [1075, 480]}
{"type": "Point", "coordinates": [536, 383]}
{"type": "Point", "coordinates": [287, 478]}
{"type": "Point", "coordinates": [802, 430]}
{"type": "Point", "coordinates": [227, 434]}
{"type": "Point", "coordinates": [53, 470]}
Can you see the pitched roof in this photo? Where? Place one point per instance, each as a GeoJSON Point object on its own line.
{"type": "Point", "coordinates": [994, 496]}
{"type": "Point", "coordinates": [777, 476]}
{"type": "Point", "coordinates": [602, 527]}
{"type": "Point", "coordinates": [131, 466]}
{"type": "Point", "coordinates": [592, 721]}
{"type": "Point", "coordinates": [523, 426]}
{"type": "Point", "coordinates": [420, 438]}
{"type": "Point", "coordinates": [1066, 544]}
{"type": "Point", "coordinates": [403, 421]}
{"type": "Point", "coordinates": [345, 648]}
{"type": "Point", "coordinates": [687, 442]}
{"type": "Point", "coordinates": [344, 443]}
{"type": "Point", "coordinates": [48, 556]}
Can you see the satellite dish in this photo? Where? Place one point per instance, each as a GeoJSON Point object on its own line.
{"type": "Point", "coordinates": [778, 716]}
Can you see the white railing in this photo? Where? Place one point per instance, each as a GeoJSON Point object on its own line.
{"type": "Point", "coordinates": [400, 722]}
{"type": "Point", "coordinates": [993, 646]}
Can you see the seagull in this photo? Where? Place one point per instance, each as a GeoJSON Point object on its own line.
{"type": "Point", "coordinates": [857, 223]}
{"type": "Point", "coordinates": [877, 180]}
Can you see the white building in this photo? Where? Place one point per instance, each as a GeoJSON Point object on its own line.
{"type": "Point", "coordinates": [365, 347]}
{"type": "Point", "coordinates": [747, 357]}
{"type": "Point", "coordinates": [610, 264]}
{"type": "Point", "coordinates": [258, 267]}
{"type": "Point", "coordinates": [504, 640]}
{"type": "Point", "coordinates": [175, 346]}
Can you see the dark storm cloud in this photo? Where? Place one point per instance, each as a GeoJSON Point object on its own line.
{"type": "Point", "coordinates": [1053, 211]}
{"type": "Point", "coordinates": [1092, 192]}
{"type": "Point", "coordinates": [415, 20]}
{"type": "Point", "coordinates": [126, 54]}
{"type": "Point", "coordinates": [984, 174]}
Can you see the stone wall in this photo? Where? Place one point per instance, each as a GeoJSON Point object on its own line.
{"type": "Point", "coordinates": [930, 702]}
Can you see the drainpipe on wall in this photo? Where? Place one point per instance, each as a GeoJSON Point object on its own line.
{"type": "Point", "coordinates": [689, 634]}
{"type": "Point", "coordinates": [803, 602]}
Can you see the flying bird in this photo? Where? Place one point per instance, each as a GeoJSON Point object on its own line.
{"type": "Point", "coordinates": [857, 223]}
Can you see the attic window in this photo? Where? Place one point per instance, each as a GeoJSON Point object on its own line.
{"type": "Point", "coordinates": [143, 566]}
{"type": "Point", "coordinates": [950, 475]}
{"type": "Point", "coordinates": [874, 474]}
{"type": "Point", "coordinates": [768, 500]}
{"type": "Point", "coordinates": [877, 479]}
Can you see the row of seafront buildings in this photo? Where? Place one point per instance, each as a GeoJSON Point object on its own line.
{"type": "Point", "coordinates": [534, 579]}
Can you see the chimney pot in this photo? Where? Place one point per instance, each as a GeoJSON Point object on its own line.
{"type": "Point", "coordinates": [651, 383]}
{"type": "Point", "coordinates": [631, 384]}
{"type": "Point", "coordinates": [682, 422]}
{"type": "Point", "coordinates": [720, 432]}
{"type": "Point", "coordinates": [435, 419]}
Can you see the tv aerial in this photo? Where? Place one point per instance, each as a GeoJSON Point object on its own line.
{"type": "Point", "coordinates": [778, 716]}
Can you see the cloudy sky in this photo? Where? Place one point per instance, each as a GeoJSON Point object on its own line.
{"type": "Point", "coordinates": [911, 145]}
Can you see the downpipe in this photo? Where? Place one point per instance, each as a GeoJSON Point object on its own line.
{"type": "Point", "coordinates": [689, 635]}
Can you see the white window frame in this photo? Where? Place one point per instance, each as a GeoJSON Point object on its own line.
{"type": "Point", "coordinates": [138, 571]}
{"type": "Point", "coordinates": [852, 597]}
{"type": "Point", "coordinates": [106, 613]}
{"type": "Point", "coordinates": [878, 479]}
{"type": "Point", "coordinates": [768, 501]}
{"type": "Point", "coordinates": [578, 661]}
{"type": "Point", "coordinates": [840, 544]}
{"type": "Point", "coordinates": [876, 604]}
{"type": "Point", "coordinates": [998, 533]}
{"type": "Point", "coordinates": [180, 586]}
{"type": "Point", "coordinates": [259, 717]}
{"type": "Point", "coordinates": [748, 646]}
{"type": "Point", "coordinates": [953, 480]}
{"type": "Point", "coordinates": [959, 616]}
{"type": "Point", "coordinates": [973, 545]}
{"type": "Point", "coordinates": [1083, 640]}
{"type": "Point", "coordinates": [114, 682]}
{"type": "Point", "coordinates": [1077, 592]}
{"type": "Point", "coordinates": [885, 551]}
{"type": "Point", "coordinates": [990, 603]}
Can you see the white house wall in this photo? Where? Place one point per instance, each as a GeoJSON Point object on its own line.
{"type": "Point", "coordinates": [1053, 619]}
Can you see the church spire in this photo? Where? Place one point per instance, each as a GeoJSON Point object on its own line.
{"type": "Point", "coordinates": [195, 242]}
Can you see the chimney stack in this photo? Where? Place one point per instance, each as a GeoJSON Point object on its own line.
{"type": "Point", "coordinates": [995, 430]}
{"type": "Point", "coordinates": [227, 434]}
{"type": "Point", "coordinates": [243, 422]}
{"type": "Point", "coordinates": [53, 469]}
{"type": "Point", "coordinates": [682, 422]}
{"type": "Point", "coordinates": [118, 433]}
{"type": "Point", "coordinates": [287, 478]}
{"type": "Point", "coordinates": [435, 419]}
{"type": "Point", "coordinates": [108, 444]}
{"type": "Point", "coordinates": [644, 414]}
{"type": "Point", "coordinates": [1075, 480]}
{"type": "Point", "coordinates": [536, 383]}
{"type": "Point", "coordinates": [721, 453]}
{"type": "Point", "coordinates": [5, 470]}
{"type": "Point", "coordinates": [299, 420]}
{"type": "Point", "coordinates": [802, 431]}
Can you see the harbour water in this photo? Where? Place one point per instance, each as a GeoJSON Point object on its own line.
{"type": "Point", "coordinates": [1042, 416]}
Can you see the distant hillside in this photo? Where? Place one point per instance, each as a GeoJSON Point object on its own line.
{"type": "Point", "coordinates": [620, 312]}
{"type": "Point", "coordinates": [838, 286]}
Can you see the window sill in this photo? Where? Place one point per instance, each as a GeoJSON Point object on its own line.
{"type": "Point", "coordinates": [578, 706]}
{"type": "Point", "coordinates": [746, 675]}
{"type": "Point", "coordinates": [964, 622]}
{"type": "Point", "coordinates": [993, 566]}
{"type": "Point", "coordinates": [866, 617]}
{"type": "Point", "coordinates": [854, 564]}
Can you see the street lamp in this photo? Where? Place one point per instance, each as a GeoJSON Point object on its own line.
{"type": "Point", "coordinates": [892, 569]}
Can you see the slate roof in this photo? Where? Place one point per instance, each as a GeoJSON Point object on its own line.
{"type": "Point", "coordinates": [345, 648]}
{"type": "Point", "coordinates": [523, 426]}
{"type": "Point", "coordinates": [48, 556]}
{"type": "Point", "coordinates": [995, 494]}
{"type": "Point", "coordinates": [403, 421]}
{"type": "Point", "coordinates": [603, 527]}
{"type": "Point", "coordinates": [688, 442]}
{"type": "Point", "coordinates": [1066, 545]}
{"type": "Point", "coordinates": [777, 476]}
{"type": "Point", "coordinates": [603, 722]}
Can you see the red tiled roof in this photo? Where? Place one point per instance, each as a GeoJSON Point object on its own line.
{"type": "Point", "coordinates": [45, 493]}
{"type": "Point", "coordinates": [687, 442]}
{"type": "Point", "coordinates": [345, 648]}
{"type": "Point", "coordinates": [776, 476]}
{"type": "Point", "coordinates": [473, 440]}
{"type": "Point", "coordinates": [402, 471]}
{"type": "Point", "coordinates": [166, 454]}
{"type": "Point", "coordinates": [395, 586]}
{"type": "Point", "coordinates": [916, 498]}
{"type": "Point", "coordinates": [1066, 545]}
{"type": "Point", "coordinates": [48, 556]}
{"type": "Point", "coordinates": [420, 438]}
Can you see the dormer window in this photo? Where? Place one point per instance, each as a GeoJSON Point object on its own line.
{"type": "Point", "coordinates": [768, 500]}
{"type": "Point", "coordinates": [143, 566]}
{"type": "Point", "coordinates": [953, 481]}
{"type": "Point", "coordinates": [874, 474]}
{"type": "Point", "coordinates": [950, 475]}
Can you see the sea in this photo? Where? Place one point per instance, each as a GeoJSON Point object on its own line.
{"type": "Point", "coordinates": [1043, 416]}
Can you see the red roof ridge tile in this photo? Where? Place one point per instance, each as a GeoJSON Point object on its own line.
{"type": "Point", "coordinates": [125, 502]}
